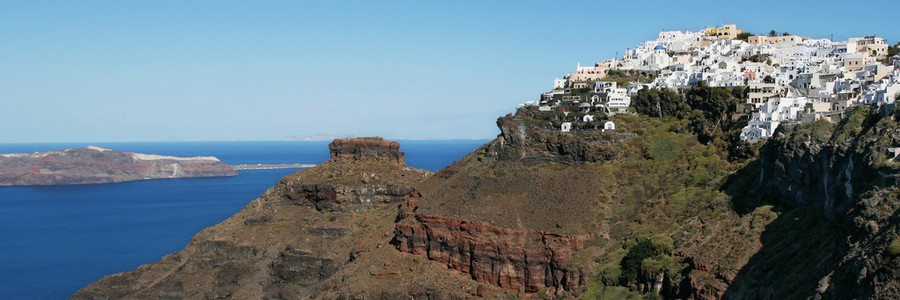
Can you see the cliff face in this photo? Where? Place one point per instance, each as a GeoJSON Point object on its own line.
{"type": "Point", "coordinates": [329, 197]}
{"type": "Point", "coordinates": [838, 185]}
{"type": "Point", "coordinates": [526, 260]}
{"type": "Point", "coordinates": [531, 143]}
{"type": "Point", "coordinates": [539, 210]}
{"type": "Point", "coordinates": [814, 166]}
{"type": "Point", "coordinates": [367, 149]}
{"type": "Point", "coordinates": [100, 165]}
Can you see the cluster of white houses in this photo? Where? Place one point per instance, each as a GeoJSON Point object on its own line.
{"type": "Point", "coordinates": [790, 78]}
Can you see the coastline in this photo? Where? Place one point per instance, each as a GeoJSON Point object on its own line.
{"type": "Point", "coordinates": [270, 166]}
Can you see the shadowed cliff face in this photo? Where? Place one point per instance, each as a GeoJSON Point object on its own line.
{"type": "Point", "coordinates": [837, 191]}
{"type": "Point", "coordinates": [812, 166]}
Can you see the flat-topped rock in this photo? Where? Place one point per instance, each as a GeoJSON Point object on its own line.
{"type": "Point", "coordinates": [366, 149]}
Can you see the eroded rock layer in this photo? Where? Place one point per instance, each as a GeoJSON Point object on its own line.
{"type": "Point", "coordinates": [528, 260]}
{"type": "Point", "coordinates": [329, 197]}
{"type": "Point", "coordinates": [367, 149]}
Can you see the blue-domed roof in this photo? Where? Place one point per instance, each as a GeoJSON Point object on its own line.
{"type": "Point", "coordinates": [659, 47]}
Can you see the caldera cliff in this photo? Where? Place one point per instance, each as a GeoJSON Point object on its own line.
{"type": "Point", "coordinates": [645, 210]}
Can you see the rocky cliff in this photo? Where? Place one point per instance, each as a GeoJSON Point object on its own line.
{"type": "Point", "coordinates": [100, 165]}
{"type": "Point", "coordinates": [815, 164]}
{"type": "Point", "coordinates": [646, 211]}
{"type": "Point", "coordinates": [367, 149]}
{"type": "Point", "coordinates": [838, 188]}
{"type": "Point", "coordinates": [520, 260]}
{"type": "Point", "coordinates": [323, 232]}
{"type": "Point", "coordinates": [532, 142]}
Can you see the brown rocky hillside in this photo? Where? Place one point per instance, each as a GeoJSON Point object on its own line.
{"type": "Point", "coordinates": [645, 211]}
{"type": "Point", "coordinates": [323, 232]}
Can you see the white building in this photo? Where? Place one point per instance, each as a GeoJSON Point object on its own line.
{"type": "Point", "coordinates": [560, 83]}
{"type": "Point", "coordinates": [881, 92]}
{"type": "Point", "coordinates": [832, 73]}
{"type": "Point", "coordinates": [618, 100]}
{"type": "Point", "coordinates": [777, 110]}
{"type": "Point", "coordinates": [609, 126]}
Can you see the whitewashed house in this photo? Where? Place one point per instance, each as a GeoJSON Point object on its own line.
{"type": "Point", "coordinates": [560, 83]}
{"type": "Point", "coordinates": [882, 92]}
{"type": "Point", "coordinates": [604, 86]}
{"type": "Point", "coordinates": [777, 110]}
{"type": "Point", "coordinates": [565, 127]}
{"type": "Point", "coordinates": [618, 100]}
{"type": "Point", "coordinates": [609, 126]}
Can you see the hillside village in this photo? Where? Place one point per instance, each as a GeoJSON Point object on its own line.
{"type": "Point", "coordinates": [785, 78]}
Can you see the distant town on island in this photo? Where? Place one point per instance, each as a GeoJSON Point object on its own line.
{"type": "Point", "coordinates": [778, 78]}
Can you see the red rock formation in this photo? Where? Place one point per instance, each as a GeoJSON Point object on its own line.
{"type": "Point", "coordinates": [528, 260]}
{"type": "Point", "coordinates": [366, 149]}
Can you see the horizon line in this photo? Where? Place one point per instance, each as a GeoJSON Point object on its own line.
{"type": "Point", "coordinates": [271, 140]}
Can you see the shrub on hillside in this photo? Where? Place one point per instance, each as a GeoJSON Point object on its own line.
{"type": "Point", "coordinates": [893, 249]}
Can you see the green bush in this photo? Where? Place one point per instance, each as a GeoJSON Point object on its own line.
{"type": "Point", "coordinates": [819, 131]}
{"type": "Point", "coordinates": [669, 146]}
{"type": "Point", "coordinates": [761, 216]}
{"type": "Point", "coordinates": [893, 248]}
{"type": "Point", "coordinates": [852, 126]}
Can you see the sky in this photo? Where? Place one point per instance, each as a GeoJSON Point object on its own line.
{"type": "Point", "coordinates": [132, 71]}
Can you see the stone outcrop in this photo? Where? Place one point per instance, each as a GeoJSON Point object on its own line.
{"type": "Point", "coordinates": [366, 149]}
{"type": "Point", "coordinates": [526, 260]}
{"type": "Point", "coordinates": [532, 143]}
{"type": "Point", "coordinates": [798, 171]}
{"type": "Point", "coordinates": [361, 174]}
{"type": "Point", "coordinates": [100, 165]}
{"type": "Point", "coordinates": [329, 197]}
{"type": "Point", "coordinates": [840, 186]}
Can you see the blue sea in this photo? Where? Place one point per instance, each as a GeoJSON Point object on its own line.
{"type": "Point", "coordinates": [55, 240]}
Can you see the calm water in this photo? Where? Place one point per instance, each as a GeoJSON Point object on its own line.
{"type": "Point", "coordinates": [55, 240]}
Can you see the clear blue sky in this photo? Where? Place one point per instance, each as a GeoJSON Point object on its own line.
{"type": "Point", "coordinates": [108, 71]}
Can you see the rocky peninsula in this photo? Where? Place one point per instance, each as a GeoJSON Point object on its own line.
{"type": "Point", "coordinates": [89, 165]}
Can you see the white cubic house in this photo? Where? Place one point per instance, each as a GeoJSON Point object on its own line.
{"type": "Point", "coordinates": [770, 115]}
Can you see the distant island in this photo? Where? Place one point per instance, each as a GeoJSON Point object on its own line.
{"type": "Point", "coordinates": [100, 165]}
{"type": "Point", "coordinates": [271, 166]}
